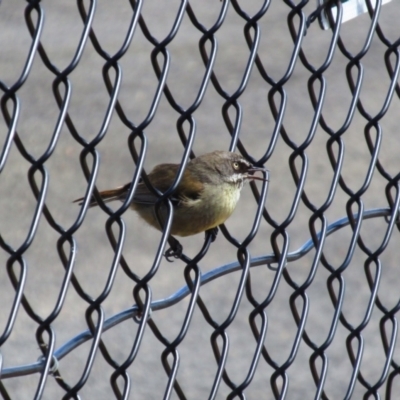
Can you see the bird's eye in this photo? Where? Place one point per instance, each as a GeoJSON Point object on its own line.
{"type": "Point", "coordinates": [235, 165]}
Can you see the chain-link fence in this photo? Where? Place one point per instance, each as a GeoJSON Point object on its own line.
{"type": "Point", "coordinates": [298, 296]}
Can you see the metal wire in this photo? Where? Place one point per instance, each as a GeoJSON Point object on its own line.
{"type": "Point", "coordinates": [300, 18]}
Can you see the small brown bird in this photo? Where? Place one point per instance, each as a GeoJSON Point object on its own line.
{"type": "Point", "coordinates": [205, 197]}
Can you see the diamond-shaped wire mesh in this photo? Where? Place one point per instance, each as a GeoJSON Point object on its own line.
{"type": "Point", "coordinates": [298, 296]}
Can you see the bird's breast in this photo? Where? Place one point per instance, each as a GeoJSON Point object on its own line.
{"type": "Point", "coordinates": [191, 216]}
{"type": "Point", "coordinates": [213, 208]}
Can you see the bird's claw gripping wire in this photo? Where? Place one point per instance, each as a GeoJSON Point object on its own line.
{"type": "Point", "coordinates": [175, 250]}
{"type": "Point", "coordinates": [213, 232]}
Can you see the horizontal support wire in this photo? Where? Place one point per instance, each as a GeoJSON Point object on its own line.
{"type": "Point", "coordinates": [180, 294]}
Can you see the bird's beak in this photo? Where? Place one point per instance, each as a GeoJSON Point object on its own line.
{"type": "Point", "coordinates": [253, 169]}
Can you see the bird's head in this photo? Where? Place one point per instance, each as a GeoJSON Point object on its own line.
{"type": "Point", "coordinates": [228, 167]}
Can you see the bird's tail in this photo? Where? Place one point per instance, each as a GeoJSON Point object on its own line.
{"type": "Point", "coordinates": [107, 196]}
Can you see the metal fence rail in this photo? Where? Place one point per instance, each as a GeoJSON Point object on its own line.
{"type": "Point", "coordinates": [298, 296]}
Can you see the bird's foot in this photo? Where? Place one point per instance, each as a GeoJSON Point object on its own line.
{"type": "Point", "coordinates": [213, 232]}
{"type": "Point", "coordinates": [175, 251]}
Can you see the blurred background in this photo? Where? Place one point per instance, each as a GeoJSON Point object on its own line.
{"type": "Point", "coordinates": [311, 94]}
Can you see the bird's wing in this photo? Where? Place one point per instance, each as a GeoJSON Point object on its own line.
{"type": "Point", "coordinates": [162, 178]}
{"type": "Point", "coordinates": [143, 195]}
